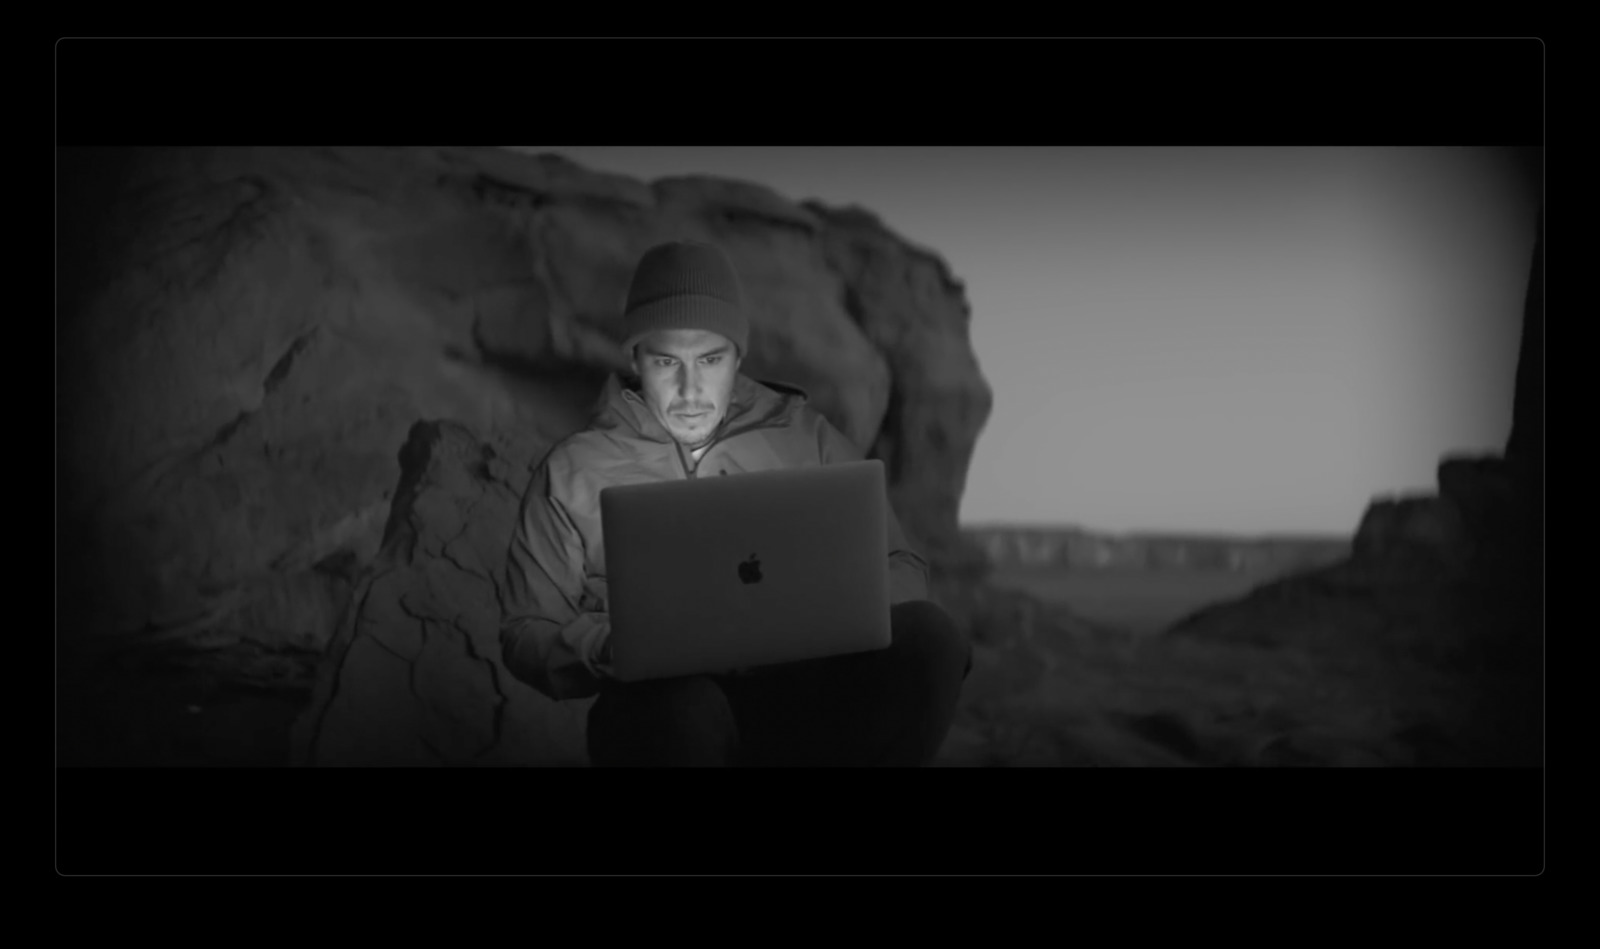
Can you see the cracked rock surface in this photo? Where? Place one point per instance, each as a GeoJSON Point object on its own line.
{"type": "Point", "coordinates": [413, 676]}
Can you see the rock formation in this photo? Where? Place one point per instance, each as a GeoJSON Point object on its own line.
{"type": "Point", "coordinates": [248, 335]}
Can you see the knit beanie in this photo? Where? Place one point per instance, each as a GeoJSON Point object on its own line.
{"type": "Point", "coordinates": [685, 285]}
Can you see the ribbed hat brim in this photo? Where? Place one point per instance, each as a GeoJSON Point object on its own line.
{"type": "Point", "coordinates": [686, 312]}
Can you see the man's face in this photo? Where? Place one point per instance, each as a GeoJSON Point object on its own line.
{"type": "Point", "coordinates": [687, 377]}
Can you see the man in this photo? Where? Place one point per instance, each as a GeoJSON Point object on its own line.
{"type": "Point", "coordinates": [688, 412]}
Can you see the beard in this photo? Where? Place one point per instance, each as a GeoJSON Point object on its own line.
{"type": "Point", "coordinates": [696, 433]}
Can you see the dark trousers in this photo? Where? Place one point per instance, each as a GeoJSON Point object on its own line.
{"type": "Point", "coordinates": [891, 707]}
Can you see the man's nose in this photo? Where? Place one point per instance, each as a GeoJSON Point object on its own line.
{"type": "Point", "coordinates": [689, 380]}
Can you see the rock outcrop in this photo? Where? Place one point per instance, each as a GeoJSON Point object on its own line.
{"type": "Point", "coordinates": [1435, 618]}
{"type": "Point", "coordinates": [247, 335]}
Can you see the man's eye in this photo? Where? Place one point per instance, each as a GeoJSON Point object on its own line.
{"type": "Point", "coordinates": [663, 362]}
{"type": "Point", "coordinates": [713, 360]}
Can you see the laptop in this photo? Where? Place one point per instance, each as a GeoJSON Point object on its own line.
{"type": "Point", "coordinates": [717, 574]}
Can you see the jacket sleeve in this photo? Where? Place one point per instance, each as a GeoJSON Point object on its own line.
{"type": "Point", "coordinates": [551, 633]}
{"type": "Point", "coordinates": [908, 570]}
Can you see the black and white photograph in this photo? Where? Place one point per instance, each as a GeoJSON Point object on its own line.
{"type": "Point", "coordinates": [1141, 450]}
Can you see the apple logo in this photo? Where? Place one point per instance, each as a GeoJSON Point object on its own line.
{"type": "Point", "coordinates": [750, 570]}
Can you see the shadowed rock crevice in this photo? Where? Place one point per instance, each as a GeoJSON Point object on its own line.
{"type": "Point", "coordinates": [280, 369]}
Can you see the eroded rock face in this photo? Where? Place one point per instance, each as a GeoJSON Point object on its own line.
{"type": "Point", "coordinates": [914, 311]}
{"type": "Point", "coordinates": [413, 676]}
{"type": "Point", "coordinates": [247, 335]}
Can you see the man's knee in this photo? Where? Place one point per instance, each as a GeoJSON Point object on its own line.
{"type": "Point", "coordinates": [926, 635]}
{"type": "Point", "coordinates": [662, 722]}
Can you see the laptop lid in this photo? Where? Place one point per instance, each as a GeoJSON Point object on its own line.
{"type": "Point", "coordinates": [708, 575]}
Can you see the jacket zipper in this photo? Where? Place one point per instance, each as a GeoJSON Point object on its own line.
{"type": "Point", "coordinates": [684, 457]}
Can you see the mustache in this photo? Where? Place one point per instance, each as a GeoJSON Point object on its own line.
{"type": "Point", "coordinates": [692, 408]}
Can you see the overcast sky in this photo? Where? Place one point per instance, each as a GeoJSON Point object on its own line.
{"type": "Point", "coordinates": [1241, 340]}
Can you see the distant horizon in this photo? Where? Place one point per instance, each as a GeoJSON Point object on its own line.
{"type": "Point", "coordinates": [1318, 536]}
{"type": "Point", "coordinates": [1239, 341]}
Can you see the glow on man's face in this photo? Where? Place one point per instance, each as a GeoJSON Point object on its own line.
{"type": "Point", "coordinates": [687, 378]}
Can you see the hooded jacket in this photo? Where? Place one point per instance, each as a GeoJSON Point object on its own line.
{"type": "Point", "coordinates": [554, 610]}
